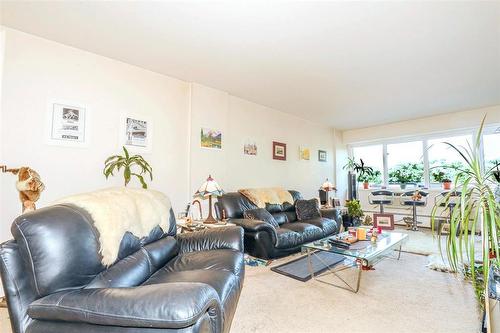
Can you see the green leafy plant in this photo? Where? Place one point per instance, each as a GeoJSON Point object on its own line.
{"type": "Point", "coordinates": [475, 208]}
{"type": "Point", "coordinates": [354, 208]}
{"type": "Point", "coordinates": [440, 176]}
{"type": "Point", "coordinates": [406, 173]}
{"type": "Point", "coordinates": [374, 178]}
{"type": "Point", "coordinates": [359, 168]}
{"type": "Point", "coordinates": [129, 164]}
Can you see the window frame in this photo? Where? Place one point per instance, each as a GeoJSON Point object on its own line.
{"type": "Point", "coordinates": [489, 129]}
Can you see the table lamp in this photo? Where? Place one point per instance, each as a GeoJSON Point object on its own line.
{"type": "Point", "coordinates": [208, 189]}
{"type": "Point", "coordinates": [327, 186]}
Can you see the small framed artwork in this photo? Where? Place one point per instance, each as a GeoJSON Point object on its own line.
{"type": "Point", "coordinates": [279, 151]}
{"type": "Point", "coordinates": [321, 156]}
{"type": "Point", "coordinates": [250, 148]}
{"type": "Point", "coordinates": [210, 138]}
{"type": "Point", "coordinates": [67, 124]}
{"type": "Point", "coordinates": [384, 221]}
{"type": "Point", "coordinates": [336, 202]}
{"type": "Point", "coordinates": [136, 132]}
{"type": "Point", "coordinates": [304, 153]}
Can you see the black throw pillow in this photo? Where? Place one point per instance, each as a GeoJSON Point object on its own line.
{"type": "Point", "coordinates": [307, 209]}
{"type": "Point", "coordinates": [262, 215]}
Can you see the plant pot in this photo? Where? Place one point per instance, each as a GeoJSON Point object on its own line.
{"type": "Point", "coordinates": [366, 185]}
{"type": "Point", "coordinates": [447, 185]}
{"type": "Point", "coordinates": [403, 186]}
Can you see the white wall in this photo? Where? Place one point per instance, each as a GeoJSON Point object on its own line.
{"type": "Point", "coordinates": [427, 125]}
{"type": "Point", "coordinates": [241, 120]}
{"type": "Point", "coordinates": [37, 70]}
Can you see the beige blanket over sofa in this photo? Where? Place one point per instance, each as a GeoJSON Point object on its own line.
{"type": "Point", "coordinates": [272, 195]}
{"type": "Point", "coordinates": [118, 210]}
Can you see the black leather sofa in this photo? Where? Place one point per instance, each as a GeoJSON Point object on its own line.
{"type": "Point", "coordinates": [264, 241]}
{"type": "Point", "coordinates": [54, 280]}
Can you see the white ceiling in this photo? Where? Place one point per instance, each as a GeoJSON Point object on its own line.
{"type": "Point", "coordinates": [344, 64]}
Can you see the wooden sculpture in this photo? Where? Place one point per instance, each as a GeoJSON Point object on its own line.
{"type": "Point", "coordinates": [29, 185]}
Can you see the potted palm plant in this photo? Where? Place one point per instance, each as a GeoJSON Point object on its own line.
{"type": "Point", "coordinates": [133, 166]}
{"type": "Point", "coordinates": [362, 171]}
{"type": "Point", "coordinates": [476, 209]}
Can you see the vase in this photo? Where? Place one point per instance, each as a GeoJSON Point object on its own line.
{"type": "Point", "coordinates": [403, 186]}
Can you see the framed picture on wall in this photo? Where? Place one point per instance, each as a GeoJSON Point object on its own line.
{"type": "Point", "coordinates": [321, 156]}
{"type": "Point", "coordinates": [384, 221]}
{"type": "Point", "coordinates": [304, 153]}
{"type": "Point", "coordinates": [210, 138]}
{"type": "Point", "coordinates": [67, 124]}
{"type": "Point", "coordinates": [136, 132]}
{"type": "Point", "coordinates": [250, 148]}
{"type": "Point", "coordinates": [279, 151]}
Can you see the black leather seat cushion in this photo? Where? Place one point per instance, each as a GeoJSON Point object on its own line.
{"type": "Point", "coordinates": [328, 226]}
{"type": "Point", "coordinates": [287, 238]}
{"type": "Point", "coordinates": [417, 203]}
{"type": "Point", "coordinates": [224, 260]}
{"type": "Point", "coordinates": [381, 201]}
{"type": "Point", "coordinates": [308, 231]}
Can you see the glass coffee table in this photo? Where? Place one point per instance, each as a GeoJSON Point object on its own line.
{"type": "Point", "coordinates": [360, 256]}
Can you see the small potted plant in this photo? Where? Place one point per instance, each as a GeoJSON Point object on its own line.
{"type": "Point", "coordinates": [440, 176]}
{"type": "Point", "coordinates": [367, 178]}
{"type": "Point", "coordinates": [135, 166]}
{"type": "Point", "coordinates": [354, 213]}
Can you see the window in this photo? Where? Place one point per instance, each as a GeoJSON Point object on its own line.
{"type": "Point", "coordinates": [373, 157]}
{"type": "Point", "coordinates": [491, 142]}
{"type": "Point", "coordinates": [405, 163]}
{"type": "Point", "coordinates": [444, 160]}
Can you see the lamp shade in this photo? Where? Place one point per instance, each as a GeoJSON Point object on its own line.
{"type": "Point", "coordinates": [208, 189]}
{"type": "Point", "coordinates": [328, 186]}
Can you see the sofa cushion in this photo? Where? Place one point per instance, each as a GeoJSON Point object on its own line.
{"type": "Point", "coordinates": [281, 217]}
{"type": "Point", "coordinates": [308, 231]}
{"type": "Point", "coordinates": [262, 215]}
{"type": "Point", "coordinates": [307, 209]}
{"type": "Point", "coordinates": [225, 260]}
{"type": "Point", "coordinates": [328, 226]}
{"type": "Point", "coordinates": [287, 238]}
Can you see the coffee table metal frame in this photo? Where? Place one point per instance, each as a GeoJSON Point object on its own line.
{"type": "Point", "coordinates": [351, 261]}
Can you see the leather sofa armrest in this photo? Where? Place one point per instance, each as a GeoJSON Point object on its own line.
{"type": "Point", "coordinates": [166, 305]}
{"type": "Point", "coordinates": [332, 213]}
{"type": "Point", "coordinates": [256, 226]}
{"type": "Point", "coordinates": [230, 237]}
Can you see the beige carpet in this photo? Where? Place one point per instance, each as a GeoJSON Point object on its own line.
{"type": "Point", "coordinates": [398, 296]}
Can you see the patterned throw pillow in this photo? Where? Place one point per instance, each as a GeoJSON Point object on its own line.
{"type": "Point", "coordinates": [262, 215]}
{"type": "Point", "coordinates": [307, 209]}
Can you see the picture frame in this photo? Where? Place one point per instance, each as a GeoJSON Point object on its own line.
{"type": "Point", "coordinates": [336, 202]}
{"type": "Point", "coordinates": [210, 138]}
{"type": "Point", "coordinates": [304, 153]}
{"type": "Point", "coordinates": [250, 148]}
{"type": "Point", "coordinates": [322, 156]}
{"type": "Point", "coordinates": [67, 124]}
{"type": "Point", "coordinates": [384, 221]}
{"type": "Point", "coordinates": [136, 132]}
{"type": "Point", "coordinates": [279, 151]}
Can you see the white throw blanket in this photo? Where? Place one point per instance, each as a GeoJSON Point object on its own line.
{"type": "Point", "coordinates": [272, 195]}
{"type": "Point", "coordinates": [118, 210]}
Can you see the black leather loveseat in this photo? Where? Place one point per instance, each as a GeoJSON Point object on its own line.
{"type": "Point", "coordinates": [265, 241]}
{"type": "Point", "coordinates": [54, 280]}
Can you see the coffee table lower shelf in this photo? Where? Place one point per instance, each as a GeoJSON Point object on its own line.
{"type": "Point", "coordinates": [357, 264]}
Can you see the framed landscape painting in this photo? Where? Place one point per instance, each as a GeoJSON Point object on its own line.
{"type": "Point", "coordinates": [210, 138]}
{"type": "Point", "coordinates": [279, 151]}
{"type": "Point", "coordinates": [321, 156]}
{"type": "Point", "coordinates": [250, 148]}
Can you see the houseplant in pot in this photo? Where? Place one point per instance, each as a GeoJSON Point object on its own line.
{"type": "Point", "coordinates": [133, 166]}
{"type": "Point", "coordinates": [374, 178]}
{"type": "Point", "coordinates": [476, 209]}
{"type": "Point", "coordinates": [360, 169]}
{"type": "Point", "coordinates": [440, 176]}
{"type": "Point", "coordinates": [354, 214]}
